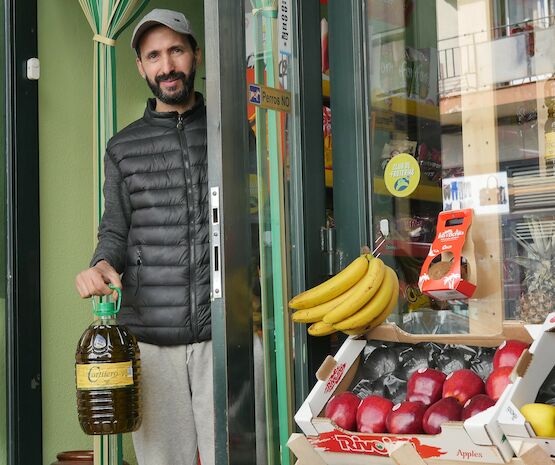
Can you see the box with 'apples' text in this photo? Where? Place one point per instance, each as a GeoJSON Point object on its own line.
{"type": "Point", "coordinates": [479, 439]}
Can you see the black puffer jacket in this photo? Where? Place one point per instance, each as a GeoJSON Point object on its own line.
{"type": "Point", "coordinates": [154, 228]}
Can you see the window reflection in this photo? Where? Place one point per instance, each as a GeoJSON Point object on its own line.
{"type": "Point", "coordinates": [467, 88]}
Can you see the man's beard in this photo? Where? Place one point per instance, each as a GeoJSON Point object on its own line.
{"type": "Point", "coordinates": [181, 97]}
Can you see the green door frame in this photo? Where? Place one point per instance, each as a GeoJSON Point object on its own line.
{"type": "Point", "coordinates": [349, 126]}
{"type": "Point", "coordinates": [23, 330]}
{"type": "Point", "coordinates": [308, 184]}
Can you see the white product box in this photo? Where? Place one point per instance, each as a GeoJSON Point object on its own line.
{"type": "Point", "coordinates": [529, 374]}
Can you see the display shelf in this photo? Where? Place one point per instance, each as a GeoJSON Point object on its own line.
{"type": "Point", "coordinates": [325, 87]}
{"type": "Point", "coordinates": [407, 106]}
{"type": "Point", "coordinates": [400, 248]}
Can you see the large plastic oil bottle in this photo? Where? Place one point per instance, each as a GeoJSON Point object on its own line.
{"type": "Point", "coordinates": [107, 374]}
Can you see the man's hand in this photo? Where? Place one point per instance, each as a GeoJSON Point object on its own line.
{"type": "Point", "coordinates": [95, 280]}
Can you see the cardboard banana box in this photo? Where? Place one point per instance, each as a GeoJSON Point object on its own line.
{"type": "Point", "coordinates": [478, 440]}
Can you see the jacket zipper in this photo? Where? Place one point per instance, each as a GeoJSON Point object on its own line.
{"type": "Point", "coordinates": [140, 265]}
{"type": "Point", "coordinates": [192, 282]}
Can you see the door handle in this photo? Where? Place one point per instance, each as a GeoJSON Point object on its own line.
{"type": "Point", "coordinates": [215, 244]}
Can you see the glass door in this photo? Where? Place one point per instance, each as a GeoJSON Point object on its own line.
{"type": "Point", "coordinates": [239, 345]}
{"type": "Point", "coordinates": [464, 88]}
{"type": "Point", "coordinates": [451, 107]}
{"type": "Point", "coordinates": [276, 228]}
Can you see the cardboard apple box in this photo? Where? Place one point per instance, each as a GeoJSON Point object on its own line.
{"type": "Point", "coordinates": [529, 374]}
{"type": "Point", "coordinates": [477, 440]}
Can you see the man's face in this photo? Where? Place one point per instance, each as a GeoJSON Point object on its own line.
{"type": "Point", "coordinates": [168, 63]}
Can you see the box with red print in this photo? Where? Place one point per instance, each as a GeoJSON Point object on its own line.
{"type": "Point", "coordinates": [449, 270]}
{"type": "Point", "coordinates": [477, 440]}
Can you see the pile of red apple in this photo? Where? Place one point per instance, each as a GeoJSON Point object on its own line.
{"type": "Point", "coordinates": [432, 399]}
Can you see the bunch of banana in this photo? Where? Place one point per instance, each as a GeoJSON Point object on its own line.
{"type": "Point", "coordinates": [355, 300]}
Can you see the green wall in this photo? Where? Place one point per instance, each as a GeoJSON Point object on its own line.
{"type": "Point", "coordinates": [66, 194]}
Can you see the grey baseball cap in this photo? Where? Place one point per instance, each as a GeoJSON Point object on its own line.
{"type": "Point", "coordinates": [172, 19]}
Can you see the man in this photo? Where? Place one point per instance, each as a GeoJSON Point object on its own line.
{"type": "Point", "coordinates": [154, 231]}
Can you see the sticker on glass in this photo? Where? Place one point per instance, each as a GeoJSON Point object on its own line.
{"type": "Point", "coordinates": [402, 175]}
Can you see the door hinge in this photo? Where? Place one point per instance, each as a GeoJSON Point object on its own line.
{"type": "Point", "coordinates": [332, 256]}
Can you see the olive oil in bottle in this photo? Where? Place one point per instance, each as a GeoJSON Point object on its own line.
{"type": "Point", "coordinates": [107, 373]}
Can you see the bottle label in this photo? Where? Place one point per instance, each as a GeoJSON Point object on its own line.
{"type": "Point", "coordinates": [550, 146]}
{"type": "Point", "coordinates": [103, 375]}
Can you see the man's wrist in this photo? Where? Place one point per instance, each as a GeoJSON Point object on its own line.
{"type": "Point", "coordinates": [102, 264]}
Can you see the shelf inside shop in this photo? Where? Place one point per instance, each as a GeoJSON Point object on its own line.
{"type": "Point", "coordinates": [407, 106]}
{"type": "Point", "coordinates": [329, 178]}
{"type": "Point", "coordinates": [426, 192]}
{"type": "Point", "coordinates": [325, 88]}
{"type": "Point", "coordinates": [400, 248]}
{"type": "Point", "coordinates": [520, 213]}
{"type": "Point", "coordinates": [531, 189]}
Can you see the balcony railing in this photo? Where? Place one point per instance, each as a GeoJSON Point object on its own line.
{"type": "Point", "coordinates": [508, 55]}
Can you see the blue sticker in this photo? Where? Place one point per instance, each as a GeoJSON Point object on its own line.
{"type": "Point", "coordinates": [254, 94]}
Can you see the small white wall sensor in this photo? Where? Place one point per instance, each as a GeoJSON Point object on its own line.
{"type": "Point", "coordinates": [33, 69]}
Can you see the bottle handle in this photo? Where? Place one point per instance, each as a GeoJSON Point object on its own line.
{"type": "Point", "coordinates": [118, 301]}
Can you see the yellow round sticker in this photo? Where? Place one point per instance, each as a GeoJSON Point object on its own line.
{"type": "Point", "coordinates": [402, 175]}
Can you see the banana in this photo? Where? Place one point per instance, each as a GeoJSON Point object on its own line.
{"type": "Point", "coordinates": [320, 329]}
{"type": "Point", "coordinates": [314, 314]}
{"type": "Point", "coordinates": [365, 290]}
{"type": "Point", "coordinates": [333, 287]}
{"type": "Point", "coordinates": [390, 307]}
{"type": "Point", "coordinates": [382, 316]}
{"type": "Point", "coordinates": [374, 307]}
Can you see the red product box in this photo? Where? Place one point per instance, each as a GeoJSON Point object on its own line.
{"type": "Point", "coordinates": [449, 278]}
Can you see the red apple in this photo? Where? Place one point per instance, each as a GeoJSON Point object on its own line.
{"type": "Point", "coordinates": [476, 405]}
{"type": "Point", "coordinates": [443, 410]}
{"type": "Point", "coordinates": [342, 410]}
{"type": "Point", "coordinates": [406, 418]}
{"type": "Point", "coordinates": [371, 414]}
{"type": "Point", "coordinates": [508, 352]}
{"type": "Point", "coordinates": [425, 385]}
{"type": "Point", "coordinates": [463, 385]}
{"type": "Point", "coordinates": [498, 381]}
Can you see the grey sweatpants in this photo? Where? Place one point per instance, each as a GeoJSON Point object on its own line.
{"type": "Point", "coordinates": [178, 405]}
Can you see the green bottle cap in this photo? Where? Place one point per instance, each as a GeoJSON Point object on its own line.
{"type": "Point", "coordinates": [107, 309]}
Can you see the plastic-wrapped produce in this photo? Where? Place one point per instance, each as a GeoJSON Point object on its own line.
{"type": "Point", "coordinates": [451, 359]}
{"type": "Point", "coordinates": [482, 363]}
{"type": "Point", "coordinates": [364, 388]}
{"type": "Point", "coordinates": [391, 386]}
{"type": "Point", "coordinates": [387, 366]}
{"type": "Point", "coordinates": [396, 386]}
{"type": "Point", "coordinates": [414, 358]}
{"type": "Point", "coordinates": [381, 361]}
